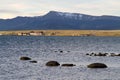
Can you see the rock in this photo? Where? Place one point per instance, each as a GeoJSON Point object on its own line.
{"type": "Point", "coordinates": [101, 54]}
{"type": "Point", "coordinates": [61, 51]}
{"type": "Point", "coordinates": [55, 51]}
{"type": "Point", "coordinates": [92, 54]}
{"type": "Point", "coordinates": [52, 63]}
{"type": "Point", "coordinates": [25, 58]}
{"type": "Point", "coordinates": [33, 61]}
{"type": "Point", "coordinates": [112, 54]}
{"type": "Point", "coordinates": [118, 55]}
{"type": "Point", "coordinates": [68, 51]}
{"type": "Point", "coordinates": [68, 65]}
{"type": "Point", "coordinates": [95, 54]}
{"type": "Point", "coordinates": [97, 65]}
{"type": "Point", "coordinates": [106, 54]}
{"type": "Point", "coordinates": [87, 53]}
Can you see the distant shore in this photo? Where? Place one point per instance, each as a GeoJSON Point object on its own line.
{"type": "Point", "coordinates": [62, 32]}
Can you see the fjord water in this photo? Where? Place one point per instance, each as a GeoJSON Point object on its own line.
{"type": "Point", "coordinates": [44, 49]}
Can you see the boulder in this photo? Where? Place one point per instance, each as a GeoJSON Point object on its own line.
{"type": "Point", "coordinates": [68, 65]}
{"type": "Point", "coordinates": [97, 65]}
{"type": "Point", "coordinates": [52, 63]}
{"type": "Point", "coordinates": [25, 58]}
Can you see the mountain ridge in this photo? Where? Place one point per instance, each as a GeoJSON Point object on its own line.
{"type": "Point", "coordinates": [62, 20]}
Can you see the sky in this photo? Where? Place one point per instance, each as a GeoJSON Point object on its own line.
{"type": "Point", "coordinates": [13, 8]}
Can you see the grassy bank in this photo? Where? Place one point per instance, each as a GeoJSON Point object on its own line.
{"type": "Point", "coordinates": [66, 32]}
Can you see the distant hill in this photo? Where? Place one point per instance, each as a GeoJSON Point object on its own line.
{"type": "Point", "coordinates": [62, 20]}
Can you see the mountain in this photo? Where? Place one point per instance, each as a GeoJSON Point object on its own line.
{"type": "Point", "coordinates": [62, 20]}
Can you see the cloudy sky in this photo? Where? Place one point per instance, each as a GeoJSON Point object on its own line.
{"type": "Point", "coordinates": [13, 8]}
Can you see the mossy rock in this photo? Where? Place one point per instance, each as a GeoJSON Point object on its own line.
{"type": "Point", "coordinates": [25, 58]}
{"type": "Point", "coordinates": [68, 65]}
{"type": "Point", "coordinates": [97, 65]}
{"type": "Point", "coordinates": [52, 63]}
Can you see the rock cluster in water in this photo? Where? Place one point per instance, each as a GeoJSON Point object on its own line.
{"type": "Point", "coordinates": [102, 54]}
{"type": "Point", "coordinates": [92, 65]}
{"type": "Point", "coordinates": [61, 51]}
{"type": "Point", "coordinates": [56, 63]}
{"type": "Point", "coordinates": [24, 58]}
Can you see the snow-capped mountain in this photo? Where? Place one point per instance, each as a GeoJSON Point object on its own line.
{"type": "Point", "coordinates": [71, 15]}
{"type": "Point", "coordinates": [61, 20]}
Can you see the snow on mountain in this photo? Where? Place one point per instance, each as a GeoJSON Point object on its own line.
{"type": "Point", "coordinates": [76, 16]}
{"type": "Point", "coordinates": [70, 15]}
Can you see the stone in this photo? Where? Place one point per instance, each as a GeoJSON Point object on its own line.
{"type": "Point", "coordinates": [68, 51]}
{"type": "Point", "coordinates": [52, 63]}
{"type": "Point", "coordinates": [112, 54]}
{"type": "Point", "coordinates": [97, 65]}
{"type": "Point", "coordinates": [87, 53]}
{"type": "Point", "coordinates": [33, 61]}
{"type": "Point", "coordinates": [92, 54]}
{"type": "Point", "coordinates": [55, 51]}
{"type": "Point", "coordinates": [25, 58]}
{"type": "Point", "coordinates": [68, 65]}
{"type": "Point", "coordinates": [61, 51]}
{"type": "Point", "coordinates": [101, 54]}
{"type": "Point", "coordinates": [118, 55]}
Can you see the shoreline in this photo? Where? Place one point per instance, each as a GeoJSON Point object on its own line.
{"type": "Point", "coordinates": [62, 32]}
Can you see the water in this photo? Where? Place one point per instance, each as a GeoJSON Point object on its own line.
{"type": "Point", "coordinates": [43, 49]}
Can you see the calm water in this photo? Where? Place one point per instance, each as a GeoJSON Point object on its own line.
{"type": "Point", "coordinates": [42, 49]}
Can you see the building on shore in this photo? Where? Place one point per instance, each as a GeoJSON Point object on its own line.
{"type": "Point", "coordinates": [31, 33]}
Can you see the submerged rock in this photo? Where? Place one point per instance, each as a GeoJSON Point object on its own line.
{"type": "Point", "coordinates": [68, 51]}
{"type": "Point", "coordinates": [97, 54]}
{"type": "Point", "coordinates": [112, 54]}
{"type": "Point", "coordinates": [118, 55]}
{"type": "Point", "coordinates": [97, 65]}
{"type": "Point", "coordinates": [55, 51]}
{"type": "Point", "coordinates": [101, 54]}
{"type": "Point", "coordinates": [91, 54]}
{"type": "Point", "coordinates": [61, 51]}
{"type": "Point", "coordinates": [25, 58]}
{"type": "Point", "coordinates": [68, 65]}
{"type": "Point", "coordinates": [87, 54]}
{"type": "Point", "coordinates": [33, 61]}
{"type": "Point", "coordinates": [52, 63]}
